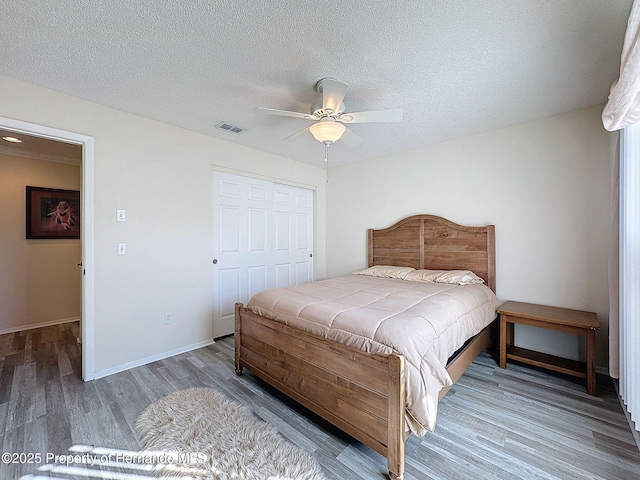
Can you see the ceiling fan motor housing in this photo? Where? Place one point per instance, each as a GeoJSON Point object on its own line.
{"type": "Point", "coordinates": [317, 111]}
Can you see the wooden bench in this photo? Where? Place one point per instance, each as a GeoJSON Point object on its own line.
{"type": "Point", "coordinates": [553, 318]}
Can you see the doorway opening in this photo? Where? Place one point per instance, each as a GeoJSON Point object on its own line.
{"type": "Point", "coordinates": [86, 225]}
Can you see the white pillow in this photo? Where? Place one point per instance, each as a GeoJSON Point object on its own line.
{"type": "Point", "coordinates": [386, 271]}
{"type": "Point", "coordinates": [456, 277]}
{"type": "Point", "coordinates": [427, 276]}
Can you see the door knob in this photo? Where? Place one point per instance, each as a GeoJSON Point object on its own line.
{"type": "Point", "coordinates": [215, 261]}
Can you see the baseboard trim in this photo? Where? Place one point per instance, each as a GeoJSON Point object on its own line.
{"type": "Point", "coordinates": [38, 325]}
{"type": "Point", "coordinates": [153, 358]}
{"type": "Point", "coordinates": [632, 425]}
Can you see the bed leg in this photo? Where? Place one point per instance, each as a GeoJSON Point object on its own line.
{"type": "Point", "coordinates": [396, 419]}
{"type": "Point", "coordinates": [238, 337]}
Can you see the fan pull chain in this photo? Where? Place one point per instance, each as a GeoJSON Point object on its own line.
{"type": "Point", "coordinates": [326, 158]}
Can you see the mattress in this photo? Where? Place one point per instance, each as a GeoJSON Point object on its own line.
{"type": "Point", "coordinates": [425, 322]}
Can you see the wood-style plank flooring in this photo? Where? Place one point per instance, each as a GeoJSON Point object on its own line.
{"type": "Point", "coordinates": [518, 423]}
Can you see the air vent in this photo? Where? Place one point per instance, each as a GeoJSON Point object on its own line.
{"type": "Point", "coordinates": [230, 128]}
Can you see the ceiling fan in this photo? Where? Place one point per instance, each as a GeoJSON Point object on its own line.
{"type": "Point", "coordinates": [328, 113]}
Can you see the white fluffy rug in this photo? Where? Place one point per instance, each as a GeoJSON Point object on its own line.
{"type": "Point", "coordinates": [207, 436]}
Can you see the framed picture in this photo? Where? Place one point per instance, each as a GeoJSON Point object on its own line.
{"type": "Point", "coordinates": [53, 213]}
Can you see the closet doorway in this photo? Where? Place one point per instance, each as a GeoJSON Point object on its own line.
{"type": "Point", "coordinates": [263, 238]}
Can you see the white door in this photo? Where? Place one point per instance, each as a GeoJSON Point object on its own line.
{"type": "Point", "coordinates": [292, 235]}
{"type": "Point", "coordinates": [262, 239]}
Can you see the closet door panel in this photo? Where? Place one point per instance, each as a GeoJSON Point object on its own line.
{"type": "Point", "coordinates": [262, 238]}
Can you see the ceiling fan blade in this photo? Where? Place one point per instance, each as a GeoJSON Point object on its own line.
{"type": "Point", "coordinates": [350, 139]}
{"type": "Point", "coordinates": [333, 93]}
{"type": "Point", "coordinates": [388, 115]}
{"type": "Point", "coordinates": [283, 113]}
{"type": "Point", "coordinates": [296, 136]}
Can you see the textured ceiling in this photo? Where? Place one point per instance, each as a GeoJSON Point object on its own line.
{"type": "Point", "coordinates": [456, 67]}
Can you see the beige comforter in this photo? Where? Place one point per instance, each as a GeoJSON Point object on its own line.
{"type": "Point", "coordinates": [425, 322]}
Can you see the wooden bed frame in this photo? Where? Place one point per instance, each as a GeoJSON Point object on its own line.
{"type": "Point", "coordinates": [360, 393]}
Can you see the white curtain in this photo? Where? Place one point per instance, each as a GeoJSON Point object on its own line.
{"type": "Point", "coordinates": [614, 270]}
{"type": "Point", "coordinates": [622, 112]}
{"type": "Point", "coordinates": [623, 107]}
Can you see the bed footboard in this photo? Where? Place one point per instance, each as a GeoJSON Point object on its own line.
{"type": "Point", "coordinates": [360, 393]}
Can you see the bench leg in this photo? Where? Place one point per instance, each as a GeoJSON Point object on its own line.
{"type": "Point", "coordinates": [503, 341]}
{"type": "Point", "coordinates": [591, 362]}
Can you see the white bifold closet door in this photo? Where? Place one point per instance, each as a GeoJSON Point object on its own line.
{"type": "Point", "coordinates": [263, 238]}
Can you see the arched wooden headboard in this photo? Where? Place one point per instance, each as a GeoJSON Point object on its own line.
{"type": "Point", "coordinates": [435, 243]}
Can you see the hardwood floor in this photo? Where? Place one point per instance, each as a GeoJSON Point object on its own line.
{"type": "Point", "coordinates": [518, 423]}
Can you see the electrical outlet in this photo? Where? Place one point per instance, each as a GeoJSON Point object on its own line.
{"type": "Point", "coordinates": [168, 319]}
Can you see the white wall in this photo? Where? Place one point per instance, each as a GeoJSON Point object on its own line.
{"type": "Point", "coordinates": [162, 176]}
{"type": "Point", "coordinates": [544, 184]}
{"type": "Point", "coordinates": [39, 279]}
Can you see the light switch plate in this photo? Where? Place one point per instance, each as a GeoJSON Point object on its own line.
{"type": "Point", "coordinates": [120, 215]}
{"type": "Point", "coordinates": [122, 249]}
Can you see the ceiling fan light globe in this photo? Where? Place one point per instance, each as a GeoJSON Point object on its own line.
{"type": "Point", "coordinates": [327, 131]}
